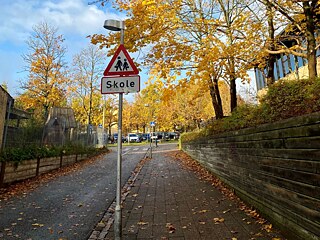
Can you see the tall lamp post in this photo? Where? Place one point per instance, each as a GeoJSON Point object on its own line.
{"type": "Point", "coordinates": [147, 105]}
{"type": "Point", "coordinates": [115, 25]}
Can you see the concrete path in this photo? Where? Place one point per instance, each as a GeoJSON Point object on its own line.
{"type": "Point", "coordinates": [167, 201]}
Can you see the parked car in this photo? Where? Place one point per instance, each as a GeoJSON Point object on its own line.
{"type": "Point", "coordinates": [154, 136]}
{"type": "Point", "coordinates": [115, 138]}
{"type": "Point", "coordinates": [133, 137]}
{"type": "Point", "coordinates": [145, 136]}
{"type": "Point", "coordinates": [171, 136]}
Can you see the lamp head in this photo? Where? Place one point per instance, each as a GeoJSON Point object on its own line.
{"type": "Point", "coordinates": [113, 25]}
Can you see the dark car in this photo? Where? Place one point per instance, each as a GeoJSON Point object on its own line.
{"type": "Point", "coordinates": [145, 136]}
{"type": "Point", "coordinates": [172, 136]}
{"type": "Point", "coordinates": [115, 138]}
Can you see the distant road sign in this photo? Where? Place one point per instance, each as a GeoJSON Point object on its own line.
{"type": "Point", "coordinates": [121, 64]}
{"type": "Point", "coordinates": [126, 84]}
{"type": "Point", "coordinates": [152, 124]}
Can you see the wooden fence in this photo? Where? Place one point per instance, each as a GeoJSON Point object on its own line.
{"type": "Point", "coordinates": [11, 172]}
{"type": "Point", "coordinates": [275, 167]}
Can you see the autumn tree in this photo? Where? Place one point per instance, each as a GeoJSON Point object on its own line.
{"type": "Point", "coordinates": [111, 112]}
{"type": "Point", "coordinates": [86, 73]}
{"type": "Point", "coordinates": [177, 108]}
{"type": "Point", "coordinates": [142, 111]}
{"type": "Point", "coordinates": [150, 99]}
{"type": "Point", "coordinates": [127, 116]}
{"type": "Point", "coordinates": [295, 22]}
{"type": "Point", "coordinates": [46, 83]}
{"type": "Point", "coordinates": [202, 41]}
{"type": "Point", "coordinates": [185, 108]}
{"type": "Point", "coordinates": [81, 114]}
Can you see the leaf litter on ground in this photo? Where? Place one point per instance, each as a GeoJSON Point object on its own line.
{"type": "Point", "coordinates": [203, 174]}
{"type": "Point", "coordinates": [22, 188]}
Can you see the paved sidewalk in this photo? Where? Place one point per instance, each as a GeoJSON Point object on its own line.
{"type": "Point", "coordinates": [168, 201]}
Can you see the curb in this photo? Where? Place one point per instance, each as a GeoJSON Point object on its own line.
{"type": "Point", "coordinates": [102, 228]}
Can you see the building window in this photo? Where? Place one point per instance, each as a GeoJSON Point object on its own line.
{"type": "Point", "coordinates": [300, 62]}
{"type": "Point", "coordinates": [275, 71]}
{"type": "Point", "coordinates": [292, 62]}
{"type": "Point", "coordinates": [259, 79]}
{"type": "Point", "coordinates": [280, 68]}
{"type": "Point", "coordinates": [285, 63]}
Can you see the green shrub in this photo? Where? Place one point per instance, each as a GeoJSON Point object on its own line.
{"type": "Point", "coordinates": [287, 99]}
{"type": "Point", "coordinates": [283, 100]}
{"type": "Point", "coordinates": [33, 152]}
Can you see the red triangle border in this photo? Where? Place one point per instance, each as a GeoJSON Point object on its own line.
{"type": "Point", "coordinates": [134, 71]}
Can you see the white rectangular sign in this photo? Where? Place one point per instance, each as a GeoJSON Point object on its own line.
{"type": "Point", "coordinates": [126, 84]}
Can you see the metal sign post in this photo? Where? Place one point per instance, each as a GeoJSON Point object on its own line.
{"type": "Point", "coordinates": [118, 214]}
{"type": "Point", "coordinates": [115, 25]}
{"type": "Point", "coordinates": [120, 68]}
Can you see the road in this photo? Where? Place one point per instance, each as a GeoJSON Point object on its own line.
{"type": "Point", "coordinates": [67, 207]}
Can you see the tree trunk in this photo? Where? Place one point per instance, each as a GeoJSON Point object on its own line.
{"type": "Point", "coordinates": [215, 98]}
{"type": "Point", "coordinates": [90, 103]}
{"type": "Point", "coordinates": [233, 87]}
{"type": "Point", "coordinates": [311, 42]}
{"type": "Point", "coordinates": [233, 93]}
{"type": "Point", "coordinates": [271, 57]}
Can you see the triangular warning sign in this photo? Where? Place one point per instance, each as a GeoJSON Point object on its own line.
{"type": "Point", "coordinates": [121, 64]}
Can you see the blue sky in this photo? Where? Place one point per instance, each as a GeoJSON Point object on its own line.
{"type": "Point", "coordinates": [75, 20]}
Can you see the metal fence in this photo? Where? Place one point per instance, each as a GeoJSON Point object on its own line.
{"type": "Point", "coordinates": [54, 135]}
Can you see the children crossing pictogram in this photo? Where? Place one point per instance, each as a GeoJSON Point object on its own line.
{"type": "Point", "coordinates": [121, 64]}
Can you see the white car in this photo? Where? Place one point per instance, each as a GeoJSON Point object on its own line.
{"type": "Point", "coordinates": [133, 137]}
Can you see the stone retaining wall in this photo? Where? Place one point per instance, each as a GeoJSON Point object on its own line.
{"type": "Point", "coordinates": [275, 167]}
{"type": "Point", "coordinates": [10, 172]}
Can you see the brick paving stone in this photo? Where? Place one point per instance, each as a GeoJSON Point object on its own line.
{"type": "Point", "coordinates": [169, 202]}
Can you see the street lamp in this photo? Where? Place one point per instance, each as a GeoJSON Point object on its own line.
{"type": "Point", "coordinates": [147, 105]}
{"type": "Point", "coordinates": [115, 25]}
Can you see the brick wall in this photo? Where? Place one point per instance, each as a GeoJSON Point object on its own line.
{"type": "Point", "coordinates": [275, 167]}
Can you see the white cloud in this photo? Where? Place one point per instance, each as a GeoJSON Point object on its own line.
{"type": "Point", "coordinates": [75, 20]}
{"type": "Point", "coordinates": [70, 16]}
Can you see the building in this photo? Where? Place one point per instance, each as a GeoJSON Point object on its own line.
{"type": "Point", "coordinates": [60, 126]}
{"type": "Point", "coordinates": [286, 66]}
{"type": "Point", "coordinates": [9, 113]}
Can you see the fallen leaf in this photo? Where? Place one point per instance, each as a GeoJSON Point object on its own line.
{"type": "Point", "coordinates": [226, 211]}
{"type": "Point", "coordinates": [170, 227]}
{"type": "Point", "coordinates": [37, 225]}
{"type": "Point", "coordinates": [203, 211]}
{"type": "Point", "coordinates": [218, 220]}
{"type": "Point", "coordinates": [258, 235]}
{"type": "Point", "coordinates": [267, 227]}
{"type": "Point", "coordinates": [142, 223]}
